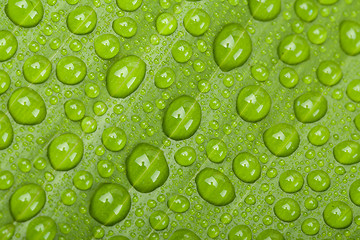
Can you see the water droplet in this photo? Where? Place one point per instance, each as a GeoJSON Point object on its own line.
{"type": "Point", "coordinates": [107, 46]}
{"type": "Point", "coordinates": [318, 180]}
{"type": "Point", "coordinates": [288, 77]}
{"type": "Point", "coordinates": [7, 231]}
{"type": "Point", "coordinates": [105, 168]}
{"type": "Point", "coordinates": [310, 107]}
{"type": "Point", "coordinates": [114, 139]}
{"type": "Point", "coordinates": [246, 167]}
{"type": "Point", "coordinates": [71, 70]}
{"type": "Point", "coordinates": [41, 228]}
{"type": "Point", "coordinates": [196, 22]}
{"type": "Point", "coordinates": [83, 180]}
{"type": "Point", "coordinates": [216, 150]}
{"type": "Point", "coordinates": [166, 24]}
{"type": "Point", "coordinates": [181, 51]}
{"type": "Point", "coordinates": [184, 234]}
{"type": "Point", "coordinates": [25, 13]}
{"type": "Point", "coordinates": [329, 73]}
{"type": "Point", "coordinates": [347, 152]}
{"type": "Point", "coordinates": [319, 135]}
{"type": "Point", "coordinates": [310, 226]}
{"type": "Point", "coordinates": [293, 49]}
{"type": "Point", "coordinates": [4, 81]}
{"type": "Point", "coordinates": [291, 181]}
{"type": "Point", "coordinates": [68, 197]}
{"type": "Point", "coordinates": [82, 20]}
{"type": "Point", "coordinates": [327, 2]}
{"type": "Point", "coordinates": [270, 234]}
{"type": "Point", "coordinates": [159, 220]}
{"type": "Point", "coordinates": [129, 5]}
{"type": "Point", "coordinates": [307, 10]}
{"type": "Point", "coordinates": [287, 209]}
{"type": "Point", "coordinates": [37, 69]}
{"type": "Point", "coordinates": [353, 90]}
{"type": "Point", "coordinates": [9, 45]}
{"type": "Point", "coordinates": [88, 124]}
{"type": "Point", "coordinates": [265, 10]}
{"type": "Point", "coordinates": [338, 215]}
{"type": "Point", "coordinates": [74, 109]}
{"type": "Point", "coordinates": [164, 78]}
{"type": "Point", "coordinates": [178, 204]}
{"type": "Point", "coordinates": [240, 232]}
{"type": "Point", "coordinates": [185, 156]}
{"type": "Point", "coordinates": [6, 131]}
{"type": "Point", "coordinates": [317, 34]}
{"type": "Point", "coordinates": [350, 37]}
{"type": "Point", "coordinates": [6, 180]}
{"type": "Point", "coordinates": [125, 27]}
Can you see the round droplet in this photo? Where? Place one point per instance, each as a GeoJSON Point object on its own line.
{"type": "Point", "coordinates": [83, 180]}
{"type": "Point", "coordinates": [319, 135]}
{"type": "Point", "coordinates": [74, 109]}
{"type": "Point", "coordinates": [6, 131]}
{"type": "Point", "coordinates": [82, 20]}
{"type": "Point", "coordinates": [181, 51]}
{"type": "Point", "coordinates": [159, 220]}
{"type": "Point", "coordinates": [310, 107]}
{"type": "Point", "coordinates": [184, 234]}
{"type": "Point", "coordinates": [8, 46]}
{"type": "Point", "coordinates": [125, 27]}
{"type": "Point", "coordinates": [68, 197]}
{"type": "Point", "coordinates": [240, 232]}
{"type": "Point", "coordinates": [329, 73]}
{"type": "Point", "coordinates": [260, 72]}
{"type": "Point", "coordinates": [114, 139]}
{"type": "Point", "coordinates": [215, 187]}
{"type": "Point", "coordinates": [311, 203]}
{"type": "Point", "coordinates": [246, 167]}
{"type": "Point", "coordinates": [185, 156]}
{"type": "Point", "coordinates": [317, 34]}
{"type": "Point", "coordinates": [253, 103]}
{"type": "Point", "coordinates": [232, 47]}
{"type": "Point", "coordinates": [146, 168]}
{"type": "Point", "coordinates": [347, 152]}
{"type": "Point", "coordinates": [338, 215]}
{"type": "Point", "coordinates": [350, 37]}
{"type": "Point", "coordinates": [41, 228]}
{"type": "Point", "coordinates": [291, 181]}
{"type": "Point", "coordinates": [216, 150]}
{"type": "Point", "coordinates": [353, 90]}
{"type": "Point", "coordinates": [164, 78]}
{"type": "Point", "coordinates": [281, 139]}
{"type": "Point", "coordinates": [182, 118]}
{"type": "Point", "coordinates": [287, 209]}
{"type": "Point", "coordinates": [310, 226]}
{"type": "Point", "coordinates": [27, 201]}
{"type": "Point", "coordinates": [110, 204]}
{"type": "Point", "coordinates": [129, 5]}
{"type": "Point", "coordinates": [107, 46]}
{"type": "Point", "coordinates": [105, 168]}
{"type": "Point", "coordinates": [6, 180]}
{"type": "Point", "coordinates": [270, 234]}
{"type": "Point", "coordinates": [166, 24]}
{"type": "Point", "coordinates": [196, 22]}
{"type": "Point", "coordinates": [327, 2]}
{"type": "Point", "coordinates": [318, 180]}
{"type": "Point", "coordinates": [71, 70]}
{"type": "Point", "coordinates": [125, 76]}
{"type": "Point", "coordinates": [88, 124]}
{"type": "Point", "coordinates": [118, 238]}
{"type": "Point", "coordinates": [65, 151]}
{"type": "Point", "coordinates": [178, 204]}
{"type": "Point", "coordinates": [26, 106]}
{"type": "Point", "coordinates": [4, 81]}
{"type": "Point", "coordinates": [293, 49]}
{"type": "Point", "coordinates": [288, 77]}
{"type": "Point", "coordinates": [354, 192]}
{"type": "Point", "coordinates": [25, 13]}
{"type": "Point", "coordinates": [265, 10]}
{"type": "Point", "coordinates": [307, 10]}
{"type": "Point", "coordinates": [37, 69]}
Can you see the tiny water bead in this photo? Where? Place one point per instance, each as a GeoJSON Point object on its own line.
{"type": "Point", "coordinates": [347, 152]}
{"type": "Point", "coordinates": [65, 151]}
{"type": "Point", "coordinates": [74, 109]}
{"type": "Point", "coordinates": [329, 73]}
{"type": "Point", "coordinates": [8, 46]}
{"type": "Point", "coordinates": [110, 204]}
{"type": "Point", "coordinates": [310, 226]}
{"type": "Point", "coordinates": [88, 124]}
{"type": "Point", "coordinates": [164, 78]}
{"type": "Point", "coordinates": [307, 10]}
{"type": "Point", "coordinates": [27, 201]}
{"type": "Point", "coordinates": [270, 234]}
{"type": "Point", "coordinates": [293, 49]}
{"type": "Point", "coordinates": [287, 209]}
{"type": "Point", "coordinates": [350, 37]}
{"type": "Point", "coordinates": [281, 139]}
{"type": "Point", "coordinates": [129, 5]}
{"type": "Point", "coordinates": [318, 180]}
{"type": "Point", "coordinates": [71, 70]}
{"type": "Point", "coordinates": [253, 103]}
{"type": "Point", "coordinates": [318, 135]}
{"type": "Point", "coordinates": [246, 167]}
{"type": "Point", "coordinates": [25, 13]}
{"type": "Point", "coordinates": [37, 69]}
{"type": "Point", "coordinates": [338, 215]}
{"type": "Point", "coordinates": [107, 46]}
{"type": "Point", "coordinates": [42, 227]}
{"type": "Point", "coordinates": [216, 150]}
{"type": "Point", "coordinates": [125, 27]}
{"type": "Point", "coordinates": [264, 10]}
{"type": "Point", "coordinates": [184, 234]}
{"type": "Point", "coordinates": [82, 20]}
{"type": "Point", "coordinates": [125, 76]}
{"type": "Point", "coordinates": [68, 197]}
{"type": "Point", "coordinates": [291, 181]}
{"type": "Point", "coordinates": [4, 81]}
{"type": "Point", "coordinates": [181, 51]}
{"type": "Point", "coordinates": [288, 77]}
{"type": "Point", "coordinates": [310, 107]}
{"type": "Point", "coordinates": [182, 118]}
{"type": "Point", "coordinates": [317, 34]}
{"type": "Point", "coordinates": [196, 22]}
{"type": "Point", "coordinates": [166, 24]}
{"type": "Point", "coordinates": [232, 47]}
{"type": "Point", "coordinates": [353, 90]}
{"type": "Point", "coordinates": [354, 192]}
{"type": "Point", "coordinates": [6, 180]}
{"type": "Point", "coordinates": [114, 139]}
{"type": "Point", "coordinates": [26, 106]}
{"type": "Point", "coordinates": [159, 220]}
{"type": "Point", "coordinates": [6, 131]}
{"type": "Point", "coordinates": [240, 232]}
{"type": "Point", "coordinates": [215, 187]}
{"type": "Point", "coordinates": [178, 204]}
{"type": "Point", "coordinates": [185, 156]}
{"type": "Point", "coordinates": [146, 168]}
